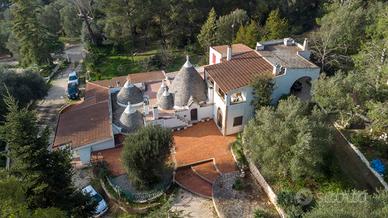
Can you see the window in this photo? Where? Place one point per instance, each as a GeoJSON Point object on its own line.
{"type": "Point", "coordinates": [221, 94]}
{"type": "Point", "coordinates": [213, 59]}
{"type": "Point", "coordinates": [237, 98]}
{"type": "Point", "coordinates": [238, 121]}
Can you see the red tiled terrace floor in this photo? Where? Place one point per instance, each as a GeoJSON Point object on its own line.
{"type": "Point", "coordinates": [203, 141]}
{"type": "Point", "coordinates": [113, 158]}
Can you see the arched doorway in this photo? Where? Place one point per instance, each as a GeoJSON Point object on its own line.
{"type": "Point", "coordinates": [219, 118]}
{"type": "Point", "coordinates": [301, 88]}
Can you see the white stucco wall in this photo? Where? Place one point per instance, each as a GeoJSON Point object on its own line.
{"type": "Point", "coordinates": [205, 112]}
{"type": "Point", "coordinates": [84, 153]}
{"type": "Point", "coordinates": [219, 103]}
{"type": "Point", "coordinates": [244, 109]}
{"type": "Point", "coordinates": [284, 82]}
{"type": "Point", "coordinates": [103, 145]}
{"type": "Point", "coordinates": [217, 54]}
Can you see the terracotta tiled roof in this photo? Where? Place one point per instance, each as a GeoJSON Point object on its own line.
{"type": "Point", "coordinates": [238, 72]}
{"type": "Point", "coordinates": [86, 122]}
{"type": "Point", "coordinates": [152, 76]}
{"type": "Point", "coordinates": [146, 77]}
{"type": "Point", "coordinates": [236, 49]}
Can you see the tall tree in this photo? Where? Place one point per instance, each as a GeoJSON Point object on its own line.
{"type": "Point", "coordinates": [207, 36]}
{"type": "Point", "coordinates": [275, 26]}
{"type": "Point", "coordinates": [35, 43]}
{"type": "Point", "coordinates": [228, 25]}
{"type": "Point", "coordinates": [13, 201]}
{"type": "Point", "coordinates": [332, 45]}
{"type": "Point", "coordinates": [70, 21]}
{"type": "Point", "coordinates": [249, 34]}
{"type": "Point", "coordinates": [46, 175]}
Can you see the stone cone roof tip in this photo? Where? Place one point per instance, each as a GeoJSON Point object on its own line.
{"type": "Point", "coordinates": [166, 101]}
{"type": "Point", "coordinates": [161, 89]}
{"type": "Point", "coordinates": [187, 64]}
{"type": "Point", "coordinates": [188, 83]}
{"type": "Point", "coordinates": [129, 93]}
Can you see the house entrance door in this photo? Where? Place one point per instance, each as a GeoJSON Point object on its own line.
{"type": "Point", "coordinates": [194, 114]}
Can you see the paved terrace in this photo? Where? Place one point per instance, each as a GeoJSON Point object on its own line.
{"type": "Point", "coordinates": [202, 154]}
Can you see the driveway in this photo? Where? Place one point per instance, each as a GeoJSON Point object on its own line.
{"type": "Point", "coordinates": [48, 108]}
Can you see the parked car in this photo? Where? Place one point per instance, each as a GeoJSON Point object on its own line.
{"type": "Point", "coordinates": [72, 91]}
{"type": "Point", "coordinates": [102, 206]}
{"type": "Point", "coordinates": [73, 78]}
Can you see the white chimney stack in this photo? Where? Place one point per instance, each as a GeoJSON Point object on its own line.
{"type": "Point", "coordinates": [155, 113]}
{"type": "Point", "coordinates": [305, 44]}
{"type": "Point", "coordinates": [229, 53]}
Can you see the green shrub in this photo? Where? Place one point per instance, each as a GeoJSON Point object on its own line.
{"type": "Point", "coordinates": [101, 169]}
{"type": "Point", "coordinates": [360, 140]}
{"type": "Point", "coordinates": [262, 213]}
{"type": "Point", "coordinates": [239, 185]}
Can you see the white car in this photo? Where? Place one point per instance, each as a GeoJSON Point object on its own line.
{"type": "Point", "coordinates": [102, 206]}
{"type": "Point", "coordinates": [73, 78]}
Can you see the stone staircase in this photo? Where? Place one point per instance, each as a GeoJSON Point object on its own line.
{"type": "Point", "coordinates": [198, 178]}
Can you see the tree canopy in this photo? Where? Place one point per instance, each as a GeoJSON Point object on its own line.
{"type": "Point", "coordinates": [288, 142]}
{"type": "Point", "coordinates": [249, 34]}
{"type": "Point", "coordinates": [355, 204]}
{"type": "Point", "coordinates": [146, 153]}
{"type": "Point", "coordinates": [263, 87]}
{"type": "Point", "coordinates": [47, 176]}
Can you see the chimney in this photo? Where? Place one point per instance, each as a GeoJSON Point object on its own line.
{"type": "Point", "coordinates": [259, 47]}
{"type": "Point", "coordinates": [305, 45]}
{"type": "Point", "coordinates": [146, 109]}
{"type": "Point", "coordinates": [117, 83]}
{"type": "Point", "coordinates": [277, 69]}
{"type": "Point", "coordinates": [229, 53]}
{"type": "Point", "coordinates": [288, 41]}
{"type": "Point", "coordinates": [155, 113]}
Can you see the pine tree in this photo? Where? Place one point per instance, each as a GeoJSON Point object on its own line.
{"type": "Point", "coordinates": [35, 43]}
{"type": "Point", "coordinates": [249, 34]}
{"type": "Point", "coordinates": [207, 36]}
{"type": "Point", "coordinates": [275, 26]}
{"type": "Point", "coordinates": [46, 175]}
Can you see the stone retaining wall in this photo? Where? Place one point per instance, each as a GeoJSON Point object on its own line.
{"type": "Point", "coordinates": [368, 175]}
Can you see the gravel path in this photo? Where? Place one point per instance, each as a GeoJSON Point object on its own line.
{"type": "Point", "coordinates": [193, 206]}
{"type": "Point", "coordinates": [239, 203]}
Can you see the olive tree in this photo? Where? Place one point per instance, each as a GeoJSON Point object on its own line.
{"type": "Point", "coordinates": [145, 155]}
{"type": "Point", "coordinates": [290, 141]}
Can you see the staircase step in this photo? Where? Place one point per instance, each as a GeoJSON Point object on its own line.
{"type": "Point", "coordinates": [187, 179]}
{"type": "Point", "coordinates": [206, 171]}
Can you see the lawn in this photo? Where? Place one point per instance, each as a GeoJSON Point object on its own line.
{"type": "Point", "coordinates": [119, 65]}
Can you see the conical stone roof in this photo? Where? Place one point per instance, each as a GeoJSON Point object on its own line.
{"type": "Point", "coordinates": [129, 93]}
{"type": "Point", "coordinates": [131, 119]}
{"type": "Point", "coordinates": [166, 101]}
{"type": "Point", "coordinates": [161, 90]}
{"type": "Point", "coordinates": [188, 83]}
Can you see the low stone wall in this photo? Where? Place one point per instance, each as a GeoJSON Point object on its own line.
{"type": "Point", "coordinates": [270, 193]}
{"type": "Point", "coordinates": [139, 197]}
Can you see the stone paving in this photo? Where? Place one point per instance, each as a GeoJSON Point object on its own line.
{"type": "Point", "coordinates": [239, 203]}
